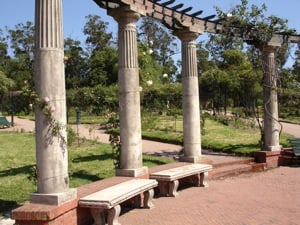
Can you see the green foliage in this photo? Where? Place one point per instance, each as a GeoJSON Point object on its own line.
{"type": "Point", "coordinates": [97, 36]}
{"type": "Point", "coordinates": [114, 138]}
{"type": "Point", "coordinates": [163, 44]}
{"type": "Point", "coordinates": [251, 24]}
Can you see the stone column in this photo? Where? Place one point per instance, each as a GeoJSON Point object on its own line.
{"type": "Point", "coordinates": [190, 92]}
{"type": "Point", "coordinates": [129, 94]}
{"type": "Point", "coordinates": [270, 121]}
{"type": "Point", "coordinates": [51, 146]}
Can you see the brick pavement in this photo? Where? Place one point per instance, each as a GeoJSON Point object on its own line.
{"type": "Point", "coordinates": [264, 198]}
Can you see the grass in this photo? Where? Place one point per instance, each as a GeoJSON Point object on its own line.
{"type": "Point", "coordinates": [217, 136]}
{"type": "Point", "coordinates": [88, 162]}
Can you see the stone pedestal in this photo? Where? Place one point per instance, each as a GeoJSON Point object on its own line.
{"type": "Point", "coordinates": [131, 163]}
{"type": "Point", "coordinates": [190, 93]}
{"type": "Point", "coordinates": [271, 158]}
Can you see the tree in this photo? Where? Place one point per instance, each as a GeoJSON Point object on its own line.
{"type": "Point", "coordinates": [76, 66]}
{"type": "Point", "coordinates": [20, 67]}
{"type": "Point", "coordinates": [296, 65]}
{"type": "Point", "coordinates": [3, 52]}
{"type": "Point", "coordinates": [6, 85]}
{"type": "Point", "coordinates": [103, 57]}
{"type": "Point", "coordinates": [96, 31]}
{"type": "Point", "coordinates": [163, 44]}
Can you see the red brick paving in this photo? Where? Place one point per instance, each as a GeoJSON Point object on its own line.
{"type": "Point", "coordinates": [265, 198]}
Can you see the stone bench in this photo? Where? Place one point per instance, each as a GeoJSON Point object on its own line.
{"type": "Point", "coordinates": [295, 142]}
{"type": "Point", "coordinates": [168, 180]}
{"type": "Point", "coordinates": [105, 204]}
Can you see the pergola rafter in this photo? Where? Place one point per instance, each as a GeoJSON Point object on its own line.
{"type": "Point", "coordinates": [177, 17]}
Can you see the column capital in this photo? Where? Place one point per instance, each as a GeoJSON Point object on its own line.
{"type": "Point", "coordinates": [186, 35]}
{"type": "Point", "coordinates": [124, 14]}
{"type": "Point", "coordinates": [268, 48]}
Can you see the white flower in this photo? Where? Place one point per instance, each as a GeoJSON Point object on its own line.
{"type": "Point", "coordinates": [150, 51]}
{"type": "Point", "coordinates": [149, 82]}
{"type": "Point", "coordinates": [151, 43]}
{"type": "Point", "coordinates": [144, 53]}
{"type": "Point", "coordinates": [165, 75]}
{"type": "Point", "coordinates": [30, 105]}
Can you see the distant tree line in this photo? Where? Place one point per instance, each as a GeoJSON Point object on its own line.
{"type": "Point", "coordinates": [230, 72]}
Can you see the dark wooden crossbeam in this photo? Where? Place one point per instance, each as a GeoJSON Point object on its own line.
{"type": "Point", "coordinates": [176, 7]}
{"type": "Point", "coordinates": [168, 3]}
{"type": "Point", "coordinates": [209, 17]}
{"type": "Point", "coordinates": [195, 14]}
{"type": "Point", "coordinates": [186, 10]}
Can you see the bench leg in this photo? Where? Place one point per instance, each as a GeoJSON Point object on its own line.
{"type": "Point", "coordinates": [173, 186]}
{"type": "Point", "coordinates": [113, 215]}
{"type": "Point", "coordinates": [98, 216]}
{"type": "Point", "coordinates": [203, 177]}
{"type": "Point", "coordinates": [163, 188]}
{"type": "Point", "coordinates": [148, 197]}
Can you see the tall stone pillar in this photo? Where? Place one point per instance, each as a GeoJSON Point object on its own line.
{"type": "Point", "coordinates": [270, 121]}
{"type": "Point", "coordinates": [51, 146]}
{"type": "Point", "coordinates": [190, 92]}
{"type": "Point", "coordinates": [129, 94]}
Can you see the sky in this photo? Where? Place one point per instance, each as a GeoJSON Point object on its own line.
{"type": "Point", "coordinates": [13, 12]}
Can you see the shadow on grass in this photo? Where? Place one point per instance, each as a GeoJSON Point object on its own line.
{"type": "Point", "coordinates": [151, 160]}
{"type": "Point", "coordinates": [103, 157]}
{"type": "Point", "coordinates": [238, 149]}
{"type": "Point", "coordinates": [16, 171]}
{"type": "Point", "coordinates": [84, 175]}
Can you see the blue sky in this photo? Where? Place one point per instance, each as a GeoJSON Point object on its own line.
{"type": "Point", "coordinates": [74, 12]}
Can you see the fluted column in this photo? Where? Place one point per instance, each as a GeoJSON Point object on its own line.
{"type": "Point", "coordinates": [190, 92]}
{"type": "Point", "coordinates": [51, 146]}
{"type": "Point", "coordinates": [270, 121]}
{"type": "Point", "coordinates": [129, 94]}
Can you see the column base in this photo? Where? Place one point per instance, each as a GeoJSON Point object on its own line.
{"type": "Point", "coordinates": [132, 172]}
{"type": "Point", "coordinates": [192, 159]}
{"type": "Point", "coordinates": [54, 198]}
{"type": "Point", "coordinates": [273, 148]}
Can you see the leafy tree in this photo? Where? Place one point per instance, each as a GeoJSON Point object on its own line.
{"type": "Point", "coordinates": [6, 85]}
{"type": "Point", "coordinates": [163, 44]}
{"type": "Point", "coordinates": [96, 31]}
{"type": "Point", "coordinates": [204, 62]}
{"type": "Point", "coordinates": [103, 57]}
{"type": "Point", "coordinates": [150, 71]}
{"type": "Point", "coordinates": [20, 67]}
{"type": "Point", "coordinates": [296, 65]}
{"type": "Point", "coordinates": [76, 66]}
{"type": "Point", "coordinates": [3, 52]}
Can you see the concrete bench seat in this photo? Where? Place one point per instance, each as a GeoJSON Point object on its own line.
{"type": "Point", "coordinates": [168, 180]}
{"type": "Point", "coordinates": [105, 204]}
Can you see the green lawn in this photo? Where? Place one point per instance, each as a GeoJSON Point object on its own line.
{"type": "Point", "coordinates": [89, 162]}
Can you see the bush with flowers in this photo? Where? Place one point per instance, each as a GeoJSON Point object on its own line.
{"type": "Point", "coordinates": [55, 127]}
